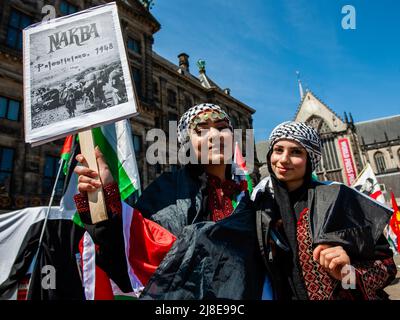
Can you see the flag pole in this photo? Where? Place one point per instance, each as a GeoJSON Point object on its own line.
{"type": "Point", "coordinates": [53, 192]}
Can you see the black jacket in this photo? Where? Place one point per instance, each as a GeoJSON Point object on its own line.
{"type": "Point", "coordinates": [209, 260]}
{"type": "Point", "coordinates": [339, 216]}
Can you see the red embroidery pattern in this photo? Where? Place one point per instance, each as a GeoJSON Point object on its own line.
{"type": "Point", "coordinates": [111, 195]}
{"type": "Point", "coordinates": [112, 198]}
{"type": "Point", "coordinates": [220, 196]}
{"type": "Point", "coordinates": [81, 203]}
{"type": "Point", "coordinates": [374, 275]}
{"type": "Point", "coordinates": [319, 284]}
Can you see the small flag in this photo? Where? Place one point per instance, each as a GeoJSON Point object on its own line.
{"type": "Point", "coordinates": [394, 223]}
{"type": "Point", "coordinates": [239, 169]}
{"type": "Point", "coordinates": [367, 184]}
{"type": "Point", "coordinates": [66, 152]}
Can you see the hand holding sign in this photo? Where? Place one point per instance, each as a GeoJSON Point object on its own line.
{"type": "Point", "coordinates": [98, 211]}
{"type": "Point", "coordinates": [88, 180]}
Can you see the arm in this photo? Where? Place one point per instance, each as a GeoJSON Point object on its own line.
{"type": "Point", "coordinates": [374, 275]}
{"type": "Point", "coordinates": [371, 276]}
{"type": "Point", "coordinates": [108, 234]}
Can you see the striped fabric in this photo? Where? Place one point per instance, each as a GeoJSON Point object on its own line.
{"type": "Point", "coordinates": [115, 142]}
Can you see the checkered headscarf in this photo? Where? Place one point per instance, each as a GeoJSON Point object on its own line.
{"type": "Point", "coordinates": [302, 133]}
{"type": "Point", "coordinates": [187, 117]}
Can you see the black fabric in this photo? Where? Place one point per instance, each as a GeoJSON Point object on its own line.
{"type": "Point", "coordinates": [290, 259]}
{"type": "Point", "coordinates": [266, 217]}
{"type": "Point", "coordinates": [59, 246]}
{"type": "Point", "coordinates": [212, 260]}
{"type": "Point", "coordinates": [23, 260]}
{"type": "Point", "coordinates": [110, 256]}
{"type": "Point", "coordinates": [285, 219]}
{"type": "Point", "coordinates": [339, 216]}
{"type": "Point", "coordinates": [177, 199]}
{"type": "Point", "coordinates": [345, 217]}
{"type": "Point", "coordinates": [173, 200]}
{"type": "Point", "coordinates": [58, 250]}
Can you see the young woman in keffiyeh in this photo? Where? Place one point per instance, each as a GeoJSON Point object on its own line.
{"type": "Point", "coordinates": [325, 239]}
{"type": "Point", "coordinates": [215, 254]}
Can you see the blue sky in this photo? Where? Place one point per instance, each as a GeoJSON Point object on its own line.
{"type": "Point", "coordinates": [255, 48]}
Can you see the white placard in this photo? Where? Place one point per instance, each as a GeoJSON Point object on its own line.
{"type": "Point", "coordinates": [76, 75]}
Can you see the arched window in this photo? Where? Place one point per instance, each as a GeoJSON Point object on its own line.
{"type": "Point", "coordinates": [319, 124]}
{"type": "Point", "coordinates": [380, 162]}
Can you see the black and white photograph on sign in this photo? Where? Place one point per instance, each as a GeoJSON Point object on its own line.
{"type": "Point", "coordinates": [78, 75]}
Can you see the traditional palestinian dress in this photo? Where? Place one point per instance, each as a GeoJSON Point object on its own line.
{"type": "Point", "coordinates": [291, 224]}
{"type": "Point", "coordinates": [318, 213]}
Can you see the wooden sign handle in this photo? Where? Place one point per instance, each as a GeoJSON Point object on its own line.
{"type": "Point", "coordinates": [97, 205]}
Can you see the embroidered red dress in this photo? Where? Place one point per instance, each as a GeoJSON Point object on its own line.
{"type": "Point", "coordinates": [222, 196]}
{"type": "Point", "coordinates": [369, 275]}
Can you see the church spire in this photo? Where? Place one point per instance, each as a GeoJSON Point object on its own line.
{"type": "Point", "coordinates": [300, 85]}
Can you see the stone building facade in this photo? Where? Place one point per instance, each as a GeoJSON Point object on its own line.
{"type": "Point", "coordinates": [165, 90]}
{"type": "Point", "coordinates": [380, 145]}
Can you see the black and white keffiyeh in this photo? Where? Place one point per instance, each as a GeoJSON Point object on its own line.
{"type": "Point", "coordinates": [188, 116]}
{"type": "Point", "coordinates": [302, 133]}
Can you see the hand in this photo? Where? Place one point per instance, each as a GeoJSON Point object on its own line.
{"type": "Point", "coordinates": [333, 259]}
{"type": "Point", "coordinates": [88, 180]}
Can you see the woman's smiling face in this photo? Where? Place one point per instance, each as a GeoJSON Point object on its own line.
{"type": "Point", "coordinates": [212, 141]}
{"type": "Point", "coordinates": [289, 162]}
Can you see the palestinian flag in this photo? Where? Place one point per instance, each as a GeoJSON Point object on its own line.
{"type": "Point", "coordinates": [239, 169]}
{"type": "Point", "coordinates": [115, 142]}
{"type": "Point", "coordinates": [19, 237]}
{"type": "Point", "coordinates": [66, 152]}
{"type": "Point", "coordinates": [147, 244]}
{"type": "Point", "coordinates": [20, 230]}
{"type": "Point", "coordinates": [394, 225]}
{"type": "Point", "coordinates": [22, 265]}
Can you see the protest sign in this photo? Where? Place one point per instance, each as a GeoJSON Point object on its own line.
{"type": "Point", "coordinates": [76, 75]}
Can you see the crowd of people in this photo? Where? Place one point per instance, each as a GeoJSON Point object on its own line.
{"type": "Point", "coordinates": [91, 90]}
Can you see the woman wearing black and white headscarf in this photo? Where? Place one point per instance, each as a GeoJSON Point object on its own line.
{"type": "Point", "coordinates": [215, 254]}
{"type": "Point", "coordinates": [317, 231]}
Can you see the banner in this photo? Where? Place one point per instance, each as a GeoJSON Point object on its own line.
{"type": "Point", "coordinates": [347, 160]}
{"type": "Point", "coordinates": [76, 74]}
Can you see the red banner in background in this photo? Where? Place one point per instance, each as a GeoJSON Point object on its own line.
{"type": "Point", "coordinates": [347, 160]}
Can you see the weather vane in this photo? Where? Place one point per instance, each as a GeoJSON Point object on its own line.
{"type": "Point", "coordinates": [202, 65]}
{"type": "Point", "coordinates": [148, 4]}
